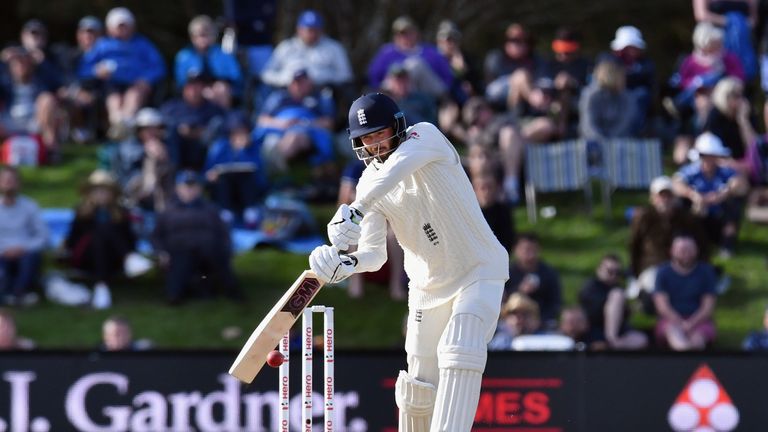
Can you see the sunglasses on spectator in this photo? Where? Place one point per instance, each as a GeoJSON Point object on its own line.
{"type": "Point", "coordinates": [613, 271]}
{"type": "Point", "coordinates": [516, 40]}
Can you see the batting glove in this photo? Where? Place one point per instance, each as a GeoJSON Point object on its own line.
{"type": "Point", "coordinates": [344, 227]}
{"type": "Point", "coordinates": [331, 266]}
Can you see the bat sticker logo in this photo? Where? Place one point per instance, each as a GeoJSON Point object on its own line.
{"type": "Point", "coordinates": [301, 298]}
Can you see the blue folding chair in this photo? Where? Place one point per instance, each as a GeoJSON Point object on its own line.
{"type": "Point", "coordinates": [556, 167]}
{"type": "Point", "coordinates": [631, 163]}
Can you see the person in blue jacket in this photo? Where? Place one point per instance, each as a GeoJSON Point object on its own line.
{"type": "Point", "coordinates": [235, 172]}
{"type": "Point", "coordinates": [204, 55]}
{"type": "Point", "coordinates": [127, 63]}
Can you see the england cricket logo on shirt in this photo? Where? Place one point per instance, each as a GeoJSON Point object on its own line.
{"type": "Point", "coordinates": [431, 234]}
{"type": "Point", "coordinates": [361, 117]}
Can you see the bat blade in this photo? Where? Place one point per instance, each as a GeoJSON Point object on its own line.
{"type": "Point", "coordinates": [275, 324]}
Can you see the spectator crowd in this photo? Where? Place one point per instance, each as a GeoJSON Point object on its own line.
{"type": "Point", "coordinates": [192, 148]}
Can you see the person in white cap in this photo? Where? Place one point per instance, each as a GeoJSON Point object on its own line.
{"type": "Point", "coordinates": [715, 190]}
{"type": "Point", "coordinates": [127, 63]}
{"type": "Point", "coordinates": [652, 230]}
{"type": "Point", "coordinates": [629, 47]}
{"type": "Point", "coordinates": [325, 59]}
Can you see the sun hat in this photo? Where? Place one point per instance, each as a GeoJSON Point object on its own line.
{"type": "Point", "coordinates": [627, 36]}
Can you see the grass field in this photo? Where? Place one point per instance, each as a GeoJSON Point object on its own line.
{"type": "Point", "coordinates": [573, 242]}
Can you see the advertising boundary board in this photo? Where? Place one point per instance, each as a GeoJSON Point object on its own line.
{"type": "Point", "coordinates": [42, 391]}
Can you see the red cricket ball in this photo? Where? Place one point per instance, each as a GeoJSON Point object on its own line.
{"type": "Point", "coordinates": [275, 359]}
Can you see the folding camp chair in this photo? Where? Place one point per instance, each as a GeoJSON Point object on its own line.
{"type": "Point", "coordinates": [556, 167]}
{"type": "Point", "coordinates": [631, 163]}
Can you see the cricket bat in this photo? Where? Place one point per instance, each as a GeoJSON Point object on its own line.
{"type": "Point", "coordinates": [272, 328]}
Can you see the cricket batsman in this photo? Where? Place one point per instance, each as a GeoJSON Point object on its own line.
{"type": "Point", "coordinates": [457, 268]}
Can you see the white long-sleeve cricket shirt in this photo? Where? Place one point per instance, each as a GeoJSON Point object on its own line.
{"type": "Point", "coordinates": [425, 195]}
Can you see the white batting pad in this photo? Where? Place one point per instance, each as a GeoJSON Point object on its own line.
{"type": "Point", "coordinates": [416, 399]}
{"type": "Point", "coordinates": [461, 356]}
{"type": "Point", "coordinates": [464, 343]}
{"type": "Point", "coordinates": [457, 397]}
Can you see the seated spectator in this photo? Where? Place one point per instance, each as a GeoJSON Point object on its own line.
{"type": "Point", "coordinates": [652, 230]}
{"type": "Point", "coordinates": [575, 325]}
{"type": "Point", "coordinates": [628, 47]}
{"type": "Point", "coordinates": [705, 66]}
{"type": "Point", "coordinates": [393, 271]}
{"type": "Point", "coordinates": [727, 115]}
{"type": "Point", "coordinates": [429, 70]}
{"type": "Point", "coordinates": [519, 317]}
{"type": "Point", "coordinates": [23, 236]}
{"type": "Point", "coordinates": [715, 191]}
{"type": "Point", "coordinates": [124, 158]}
{"type": "Point", "coordinates": [757, 341]}
{"type": "Point", "coordinates": [117, 335]}
{"type": "Point", "coordinates": [193, 123]}
{"type": "Point", "coordinates": [204, 56]}
{"type": "Point", "coordinates": [235, 172]}
{"type": "Point", "coordinates": [34, 40]}
{"type": "Point", "coordinates": [28, 101]}
{"type": "Point", "coordinates": [604, 302]}
{"type": "Point", "coordinates": [129, 66]}
{"type": "Point", "coordinates": [150, 183]}
{"type": "Point", "coordinates": [570, 71]}
{"type": "Point", "coordinates": [509, 71]}
{"type": "Point", "coordinates": [606, 108]}
{"type": "Point", "coordinates": [481, 160]}
{"type": "Point", "coordinates": [731, 120]}
{"type": "Point", "coordinates": [540, 112]}
{"type": "Point", "coordinates": [739, 18]}
{"type": "Point", "coordinates": [497, 212]}
{"type": "Point", "coordinates": [417, 106]}
{"type": "Point", "coordinates": [80, 97]}
{"type": "Point", "coordinates": [495, 135]}
{"type": "Point", "coordinates": [685, 299]}
{"type": "Point", "coordinates": [467, 80]}
{"type": "Point", "coordinates": [9, 338]}
{"type": "Point", "coordinates": [101, 236]}
{"type": "Point", "coordinates": [192, 242]}
{"type": "Point", "coordinates": [530, 275]}
{"type": "Point", "coordinates": [324, 58]}
{"type": "Point", "coordinates": [295, 124]}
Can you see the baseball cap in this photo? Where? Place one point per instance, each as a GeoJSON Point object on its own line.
{"type": "Point", "coordinates": [627, 36]}
{"type": "Point", "coordinates": [237, 120]}
{"type": "Point", "coordinates": [90, 22]}
{"type": "Point", "coordinates": [448, 30]}
{"type": "Point", "coordinates": [403, 23]}
{"type": "Point", "coordinates": [311, 19]}
{"type": "Point", "coordinates": [34, 25]}
{"type": "Point", "coordinates": [188, 177]}
{"type": "Point", "coordinates": [301, 72]}
{"type": "Point", "coordinates": [198, 75]}
{"type": "Point", "coordinates": [660, 184]}
{"type": "Point", "coordinates": [397, 69]}
{"type": "Point", "coordinates": [119, 15]}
